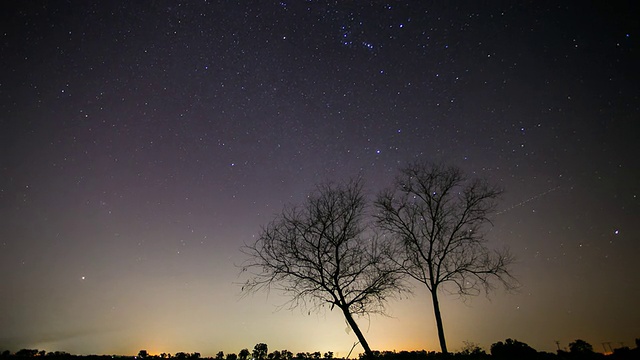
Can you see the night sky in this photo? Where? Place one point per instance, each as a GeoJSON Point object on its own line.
{"type": "Point", "coordinates": [143, 143]}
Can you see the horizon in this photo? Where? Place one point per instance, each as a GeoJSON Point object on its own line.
{"type": "Point", "coordinates": [323, 354]}
{"type": "Point", "coordinates": [295, 354]}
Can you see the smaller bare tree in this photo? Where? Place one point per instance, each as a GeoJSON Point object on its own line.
{"type": "Point", "coordinates": [323, 253]}
{"type": "Point", "coordinates": [438, 217]}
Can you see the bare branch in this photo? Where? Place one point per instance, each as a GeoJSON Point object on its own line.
{"type": "Point", "coordinates": [323, 253]}
{"type": "Point", "coordinates": [438, 217]}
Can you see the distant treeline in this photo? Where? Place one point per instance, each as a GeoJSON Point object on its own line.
{"type": "Point", "coordinates": [508, 350]}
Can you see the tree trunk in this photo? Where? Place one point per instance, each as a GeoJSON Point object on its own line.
{"type": "Point", "coordinates": [436, 310]}
{"type": "Point", "coordinates": [356, 330]}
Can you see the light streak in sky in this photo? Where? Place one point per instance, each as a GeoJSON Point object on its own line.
{"type": "Point", "coordinates": [525, 202]}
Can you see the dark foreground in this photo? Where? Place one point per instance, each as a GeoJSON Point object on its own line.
{"type": "Point", "coordinates": [508, 350]}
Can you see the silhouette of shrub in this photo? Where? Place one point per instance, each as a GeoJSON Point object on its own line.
{"type": "Point", "coordinates": [512, 349]}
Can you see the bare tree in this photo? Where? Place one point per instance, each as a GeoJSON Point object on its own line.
{"type": "Point", "coordinates": [323, 253]}
{"type": "Point", "coordinates": [438, 216]}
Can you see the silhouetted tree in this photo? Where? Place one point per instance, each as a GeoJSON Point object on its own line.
{"type": "Point", "coordinates": [324, 254]}
{"type": "Point", "coordinates": [328, 355]}
{"type": "Point", "coordinates": [260, 351]}
{"type": "Point", "coordinates": [6, 353]}
{"type": "Point", "coordinates": [472, 350]}
{"type": "Point", "coordinates": [275, 355]}
{"type": "Point", "coordinates": [232, 356]}
{"type": "Point", "coordinates": [143, 354]}
{"type": "Point", "coordinates": [195, 355]}
{"type": "Point", "coordinates": [181, 355]}
{"type": "Point", "coordinates": [376, 355]}
{"type": "Point", "coordinates": [286, 354]}
{"type": "Point", "coordinates": [27, 352]}
{"type": "Point", "coordinates": [437, 215]}
{"type": "Point", "coordinates": [220, 355]}
{"type": "Point", "coordinates": [243, 354]}
{"type": "Point", "coordinates": [580, 347]}
{"type": "Point", "coordinates": [512, 349]}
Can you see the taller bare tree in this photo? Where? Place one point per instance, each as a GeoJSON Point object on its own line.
{"type": "Point", "coordinates": [438, 217]}
{"type": "Point", "coordinates": [323, 253]}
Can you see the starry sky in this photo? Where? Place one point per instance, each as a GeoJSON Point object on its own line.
{"type": "Point", "coordinates": [143, 143]}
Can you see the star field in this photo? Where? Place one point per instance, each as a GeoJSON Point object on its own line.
{"type": "Point", "coordinates": [143, 143]}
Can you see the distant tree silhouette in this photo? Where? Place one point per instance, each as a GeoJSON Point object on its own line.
{"type": "Point", "coordinates": [275, 355]}
{"type": "Point", "coordinates": [195, 355]}
{"type": "Point", "coordinates": [27, 352]}
{"type": "Point", "coordinates": [220, 355]}
{"type": "Point", "coordinates": [232, 356]}
{"type": "Point", "coordinates": [512, 349]}
{"type": "Point", "coordinates": [181, 355]}
{"type": "Point", "coordinates": [328, 355]}
{"type": "Point", "coordinates": [286, 354]}
{"type": "Point", "coordinates": [163, 355]}
{"type": "Point", "coordinates": [580, 347]}
{"type": "Point", "coordinates": [6, 353]}
{"type": "Point", "coordinates": [260, 351]}
{"type": "Point", "coordinates": [323, 253]}
{"type": "Point", "coordinates": [243, 354]}
{"type": "Point", "coordinates": [472, 350]}
{"type": "Point", "coordinates": [301, 355]}
{"type": "Point", "coordinates": [143, 354]}
{"type": "Point", "coordinates": [437, 215]}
